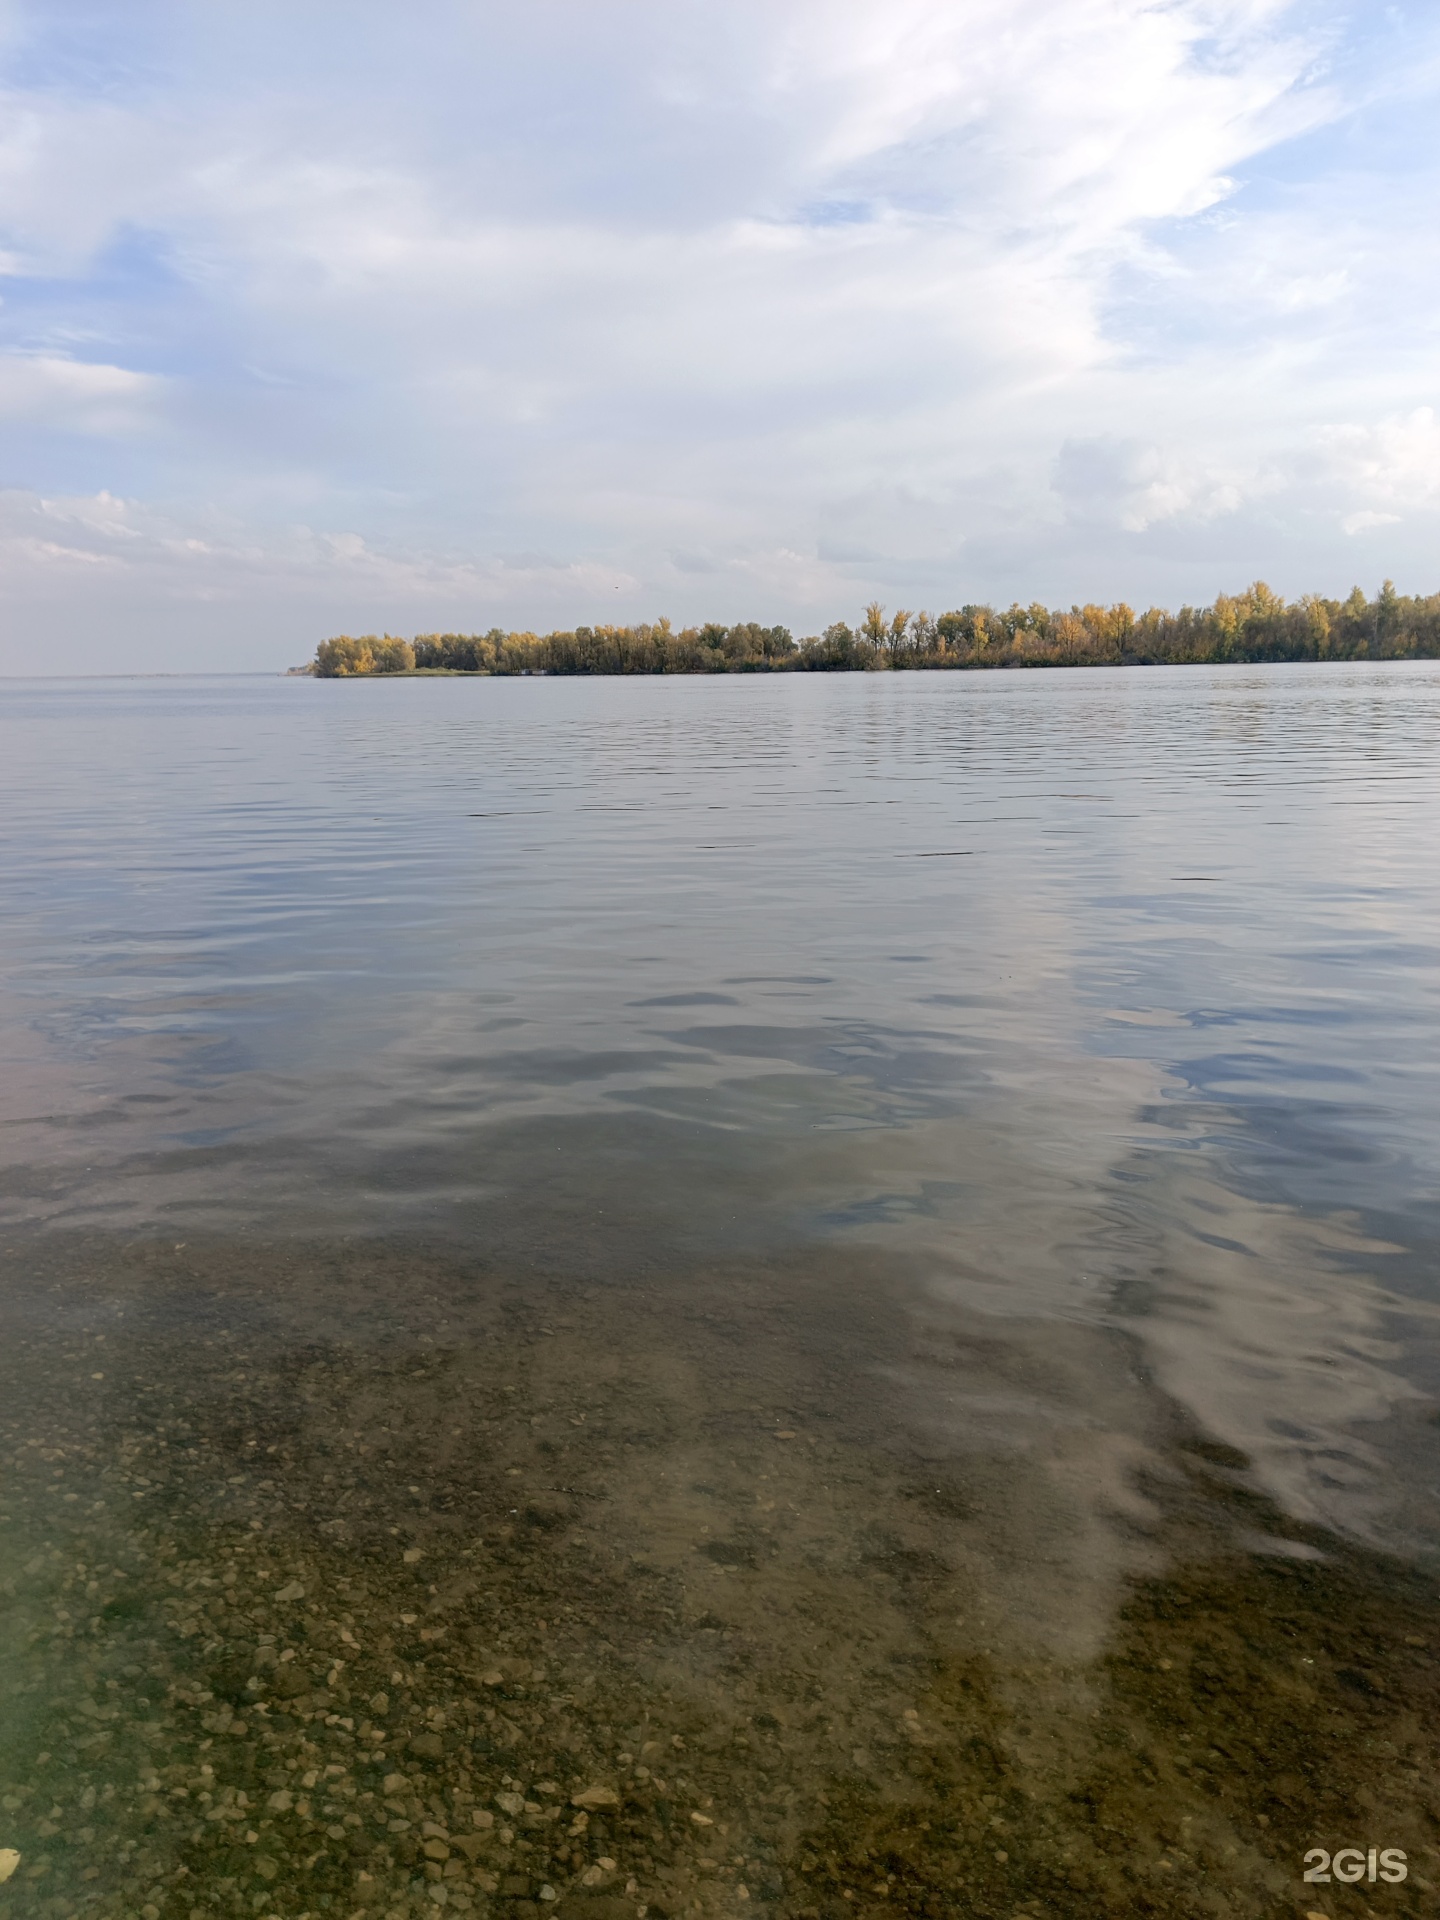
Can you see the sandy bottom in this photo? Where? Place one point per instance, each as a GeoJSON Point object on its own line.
{"type": "Point", "coordinates": [360, 1579]}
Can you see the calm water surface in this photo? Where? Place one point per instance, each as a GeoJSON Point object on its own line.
{"type": "Point", "coordinates": [830, 1280]}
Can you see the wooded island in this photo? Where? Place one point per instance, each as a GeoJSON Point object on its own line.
{"type": "Point", "coordinates": [1256, 625]}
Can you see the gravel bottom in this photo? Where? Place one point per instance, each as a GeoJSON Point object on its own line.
{"type": "Point", "coordinates": [354, 1581]}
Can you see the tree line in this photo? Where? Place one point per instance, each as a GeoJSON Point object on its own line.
{"type": "Point", "coordinates": [1256, 625]}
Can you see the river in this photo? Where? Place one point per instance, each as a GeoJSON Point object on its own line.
{"type": "Point", "coordinates": [794, 1296]}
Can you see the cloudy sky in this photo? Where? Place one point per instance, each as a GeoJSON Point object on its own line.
{"type": "Point", "coordinates": [333, 315]}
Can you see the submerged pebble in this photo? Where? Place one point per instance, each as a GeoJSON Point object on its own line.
{"type": "Point", "coordinates": [206, 1717]}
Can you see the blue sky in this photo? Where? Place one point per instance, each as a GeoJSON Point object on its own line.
{"type": "Point", "coordinates": [343, 317]}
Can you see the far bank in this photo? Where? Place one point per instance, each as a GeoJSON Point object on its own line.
{"type": "Point", "coordinates": [1257, 625]}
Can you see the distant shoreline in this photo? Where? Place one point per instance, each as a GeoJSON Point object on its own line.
{"type": "Point", "coordinates": [601, 673]}
{"type": "Point", "coordinates": [1250, 628]}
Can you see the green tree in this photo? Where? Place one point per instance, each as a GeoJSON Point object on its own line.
{"type": "Point", "coordinates": [1255, 624]}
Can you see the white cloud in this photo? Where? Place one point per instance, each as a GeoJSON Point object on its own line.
{"type": "Point", "coordinates": [836, 298]}
{"type": "Point", "coordinates": [1133, 486]}
{"type": "Point", "coordinates": [1393, 464]}
{"type": "Point", "coordinates": [54, 544]}
{"type": "Point", "coordinates": [74, 395]}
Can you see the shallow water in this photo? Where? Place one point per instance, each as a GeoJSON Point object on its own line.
{"type": "Point", "coordinates": [846, 1262]}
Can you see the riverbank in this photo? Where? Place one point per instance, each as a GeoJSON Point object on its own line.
{"type": "Point", "coordinates": [1254, 626]}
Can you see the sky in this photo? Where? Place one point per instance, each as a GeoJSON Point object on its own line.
{"type": "Point", "coordinates": [346, 317]}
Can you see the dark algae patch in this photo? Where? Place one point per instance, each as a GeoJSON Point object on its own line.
{"type": "Point", "coordinates": [1248, 1711]}
{"type": "Point", "coordinates": [358, 1580]}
